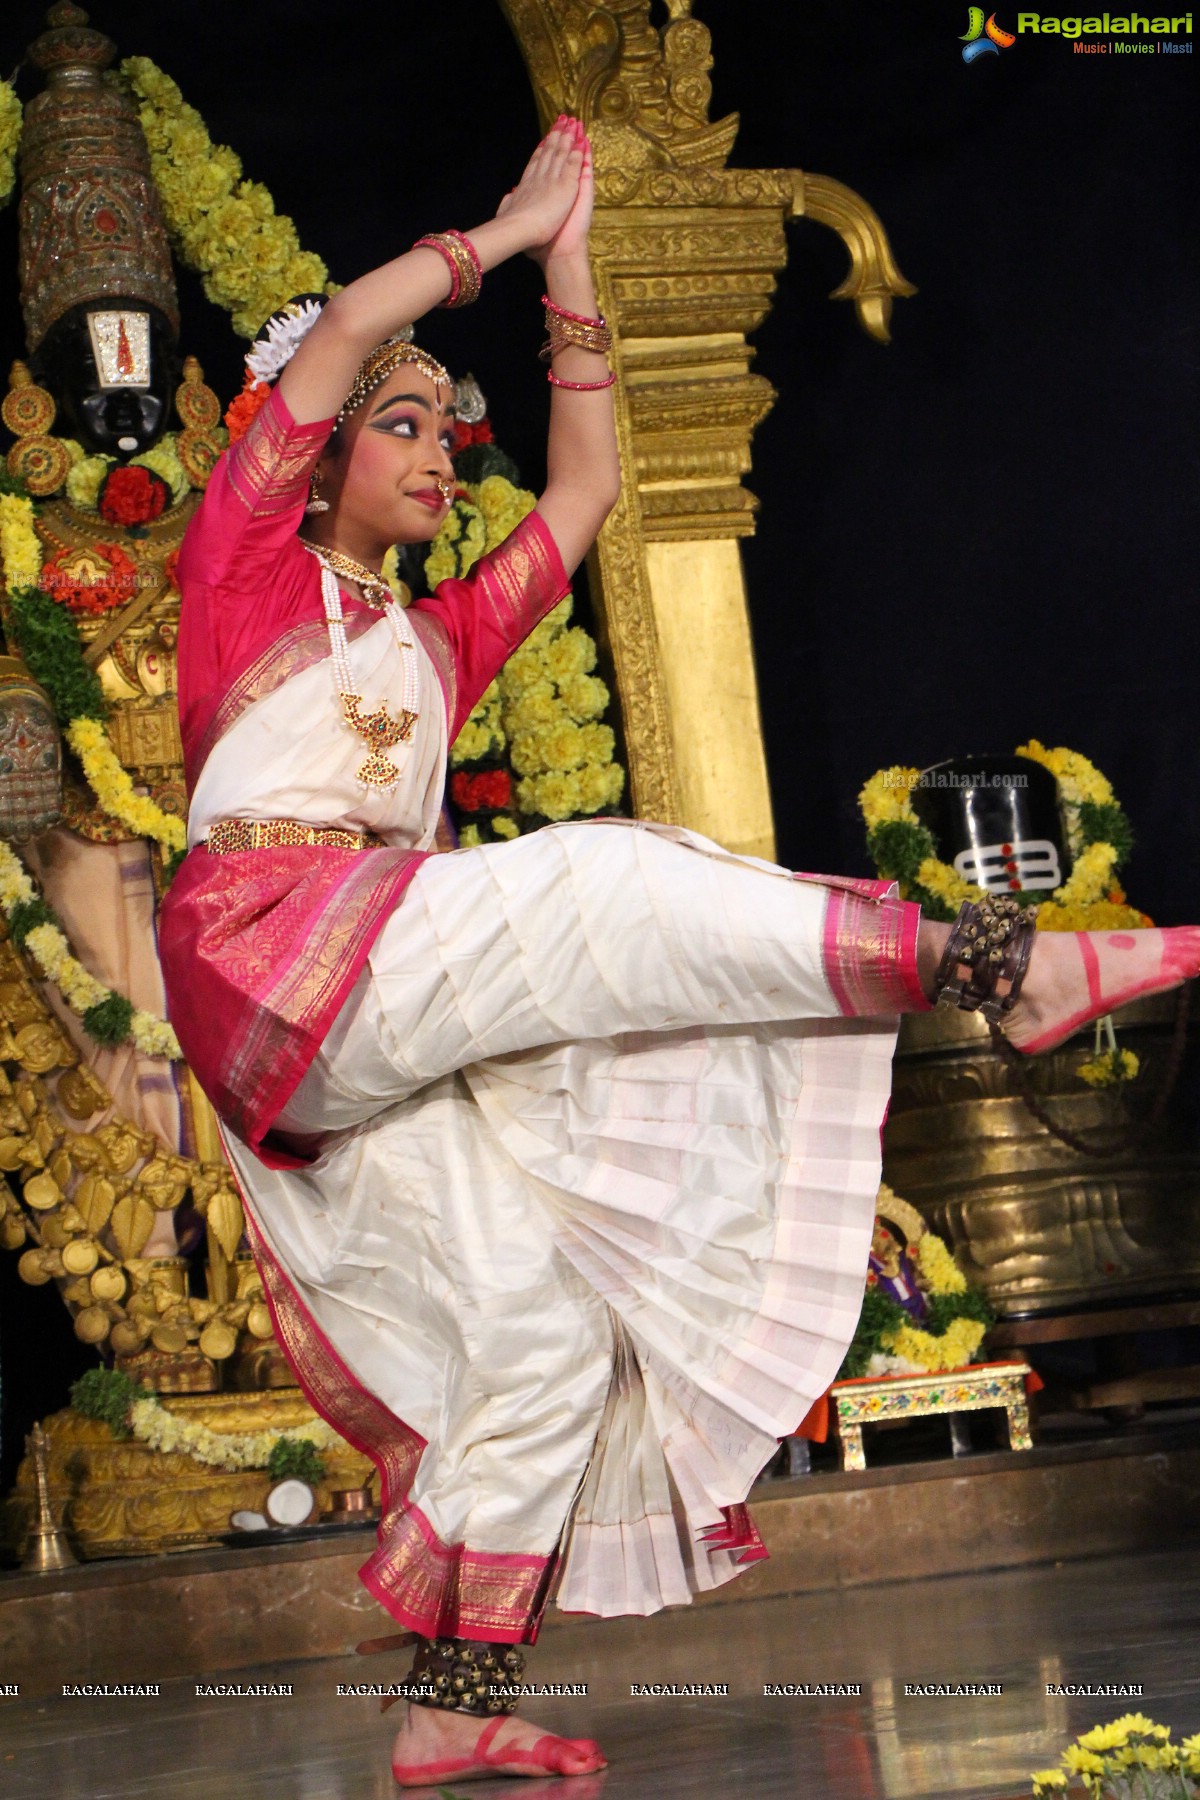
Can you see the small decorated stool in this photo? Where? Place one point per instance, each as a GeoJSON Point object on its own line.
{"type": "Point", "coordinates": [872, 1398]}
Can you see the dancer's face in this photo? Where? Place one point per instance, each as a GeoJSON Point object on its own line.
{"type": "Point", "coordinates": [380, 476]}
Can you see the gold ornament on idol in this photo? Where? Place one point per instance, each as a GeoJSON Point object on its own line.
{"type": "Point", "coordinates": [380, 730]}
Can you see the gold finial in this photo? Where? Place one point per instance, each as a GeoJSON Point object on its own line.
{"type": "Point", "coordinates": [70, 49]}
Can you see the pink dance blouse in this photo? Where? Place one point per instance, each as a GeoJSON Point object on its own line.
{"type": "Point", "coordinates": [260, 948]}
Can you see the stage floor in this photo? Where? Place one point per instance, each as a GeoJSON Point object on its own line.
{"type": "Point", "coordinates": [1132, 1622]}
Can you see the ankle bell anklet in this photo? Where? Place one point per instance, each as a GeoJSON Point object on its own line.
{"type": "Point", "coordinates": [461, 1676]}
{"type": "Point", "coordinates": [993, 940]}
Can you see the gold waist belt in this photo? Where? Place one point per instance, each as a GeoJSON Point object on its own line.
{"type": "Point", "coordinates": [279, 834]}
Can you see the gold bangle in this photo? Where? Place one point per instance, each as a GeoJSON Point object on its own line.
{"type": "Point", "coordinates": [466, 272]}
{"type": "Point", "coordinates": [552, 346]}
{"type": "Point", "coordinates": [588, 334]}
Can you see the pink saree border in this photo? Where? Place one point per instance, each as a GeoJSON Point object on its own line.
{"type": "Point", "coordinates": [438, 1589]}
{"type": "Point", "coordinates": [738, 1534]}
{"type": "Point", "coordinates": [284, 934]}
{"type": "Point", "coordinates": [869, 953]}
{"type": "Point", "coordinates": [437, 646]}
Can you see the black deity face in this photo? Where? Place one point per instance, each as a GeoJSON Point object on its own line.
{"type": "Point", "coordinates": [111, 367]}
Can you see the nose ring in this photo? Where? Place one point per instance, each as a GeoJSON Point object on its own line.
{"type": "Point", "coordinates": [444, 487]}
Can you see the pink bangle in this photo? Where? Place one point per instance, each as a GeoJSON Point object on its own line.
{"type": "Point", "coordinates": [565, 313]}
{"type": "Point", "coordinates": [580, 387]}
{"type": "Point", "coordinates": [460, 257]}
{"type": "Point", "coordinates": [460, 238]}
{"type": "Point", "coordinates": [431, 243]}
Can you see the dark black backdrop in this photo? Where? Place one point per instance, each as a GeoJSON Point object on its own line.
{"type": "Point", "coordinates": [981, 532]}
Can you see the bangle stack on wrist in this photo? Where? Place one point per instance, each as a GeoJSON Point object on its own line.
{"type": "Point", "coordinates": [459, 255]}
{"type": "Point", "coordinates": [565, 329]}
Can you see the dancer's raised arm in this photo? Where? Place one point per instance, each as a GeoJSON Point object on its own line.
{"type": "Point", "coordinates": [583, 471]}
{"type": "Point", "coordinates": [319, 376]}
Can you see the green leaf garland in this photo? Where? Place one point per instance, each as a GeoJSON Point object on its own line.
{"type": "Point", "coordinates": [53, 652]}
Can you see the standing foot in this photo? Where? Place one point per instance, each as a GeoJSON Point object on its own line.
{"type": "Point", "coordinates": [433, 1746]}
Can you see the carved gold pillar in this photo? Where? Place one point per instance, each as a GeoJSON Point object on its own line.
{"type": "Point", "coordinates": [685, 254]}
{"type": "Point", "coordinates": [685, 266]}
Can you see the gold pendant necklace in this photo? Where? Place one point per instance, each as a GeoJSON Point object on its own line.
{"type": "Point", "coordinates": [381, 730]}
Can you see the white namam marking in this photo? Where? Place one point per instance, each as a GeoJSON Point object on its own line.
{"type": "Point", "coordinates": [121, 347]}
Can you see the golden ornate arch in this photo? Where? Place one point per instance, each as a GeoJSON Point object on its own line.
{"type": "Point", "coordinates": [686, 253]}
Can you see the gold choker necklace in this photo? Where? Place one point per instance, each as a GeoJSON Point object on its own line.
{"type": "Point", "coordinates": [375, 590]}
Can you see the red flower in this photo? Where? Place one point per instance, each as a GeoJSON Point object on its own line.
{"type": "Point", "coordinates": [491, 789]}
{"type": "Point", "coordinates": [465, 434]}
{"type": "Point", "coordinates": [132, 496]}
{"type": "Point", "coordinates": [94, 579]}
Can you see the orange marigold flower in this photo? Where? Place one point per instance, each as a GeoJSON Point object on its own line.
{"type": "Point", "coordinates": [243, 411]}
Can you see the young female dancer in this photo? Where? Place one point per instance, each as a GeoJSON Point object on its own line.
{"type": "Point", "coordinates": [559, 1155]}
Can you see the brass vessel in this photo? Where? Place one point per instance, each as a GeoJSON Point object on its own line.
{"type": "Point", "coordinates": [1041, 1227]}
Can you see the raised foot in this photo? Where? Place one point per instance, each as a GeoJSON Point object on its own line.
{"type": "Point", "coordinates": [433, 1746]}
{"type": "Point", "coordinates": [1075, 976]}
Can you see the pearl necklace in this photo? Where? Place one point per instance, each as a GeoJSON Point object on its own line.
{"type": "Point", "coordinates": [380, 730]}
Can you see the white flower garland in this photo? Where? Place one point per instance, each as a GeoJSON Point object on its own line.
{"type": "Point", "coordinates": [152, 1424]}
{"type": "Point", "coordinates": [285, 333]}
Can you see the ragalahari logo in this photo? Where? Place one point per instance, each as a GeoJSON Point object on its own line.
{"type": "Point", "coordinates": [984, 38]}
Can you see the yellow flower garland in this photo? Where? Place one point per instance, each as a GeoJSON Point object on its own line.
{"type": "Point", "coordinates": [1077, 778]}
{"type": "Point", "coordinates": [886, 796]}
{"type": "Point", "coordinates": [1082, 902]}
{"type": "Point", "coordinates": [945, 881]}
{"type": "Point", "coordinates": [939, 1268]}
{"type": "Point", "coordinates": [20, 551]}
{"type": "Point", "coordinates": [934, 1355]}
{"type": "Point", "coordinates": [222, 226]}
{"type": "Point", "coordinates": [55, 963]}
{"type": "Point", "coordinates": [10, 137]}
{"type": "Point", "coordinates": [483, 733]}
{"type": "Point", "coordinates": [112, 785]}
{"type": "Point", "coordinates": [21, 557]}
{"type": "Point", "coordinates": [546, 705]}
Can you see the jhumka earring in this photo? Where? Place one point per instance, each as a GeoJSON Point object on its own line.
{"type": "Point", "coordinates": [315, 502]}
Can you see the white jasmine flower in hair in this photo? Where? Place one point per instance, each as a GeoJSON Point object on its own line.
{"type": "Point", "coordinates": [285, 332]}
